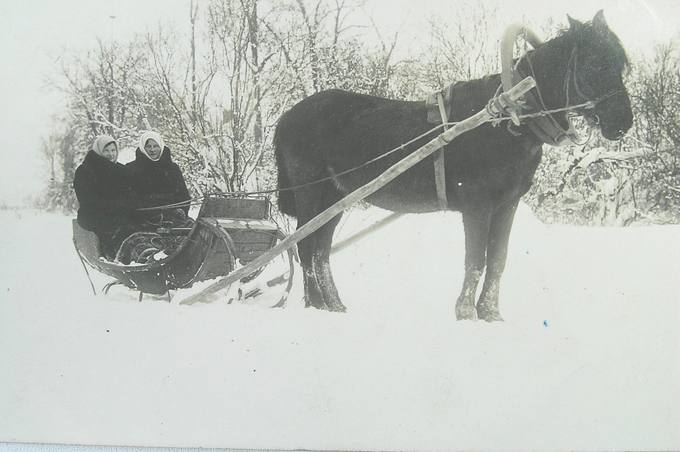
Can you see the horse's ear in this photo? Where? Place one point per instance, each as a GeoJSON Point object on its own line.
{"type": "Point", "coordinates": [573, 23]}
{"type": "Point", "coordinates": [598, 20]}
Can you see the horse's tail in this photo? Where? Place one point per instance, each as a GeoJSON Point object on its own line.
{"type": "Point", "coordinates": [286, 200]}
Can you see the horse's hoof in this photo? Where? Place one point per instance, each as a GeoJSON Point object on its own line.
{"type": "Point", "coordinates": [489, 315]}
{"type": "Point", "coordinates": [314, 303]}
{"type": "Point", "coordinates": [466, 313]}
{"type": "Point", "coordinates": [331, 307]}
{"type": "Point", "coordinates": [336, 307]}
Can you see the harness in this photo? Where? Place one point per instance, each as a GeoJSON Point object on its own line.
{"type": "Point", "coordinates": [539, 119]}
{"type": "Point", "coordinates": [439, 169]}
{"type": "Point", "coordinates": [544, 125]}
{"type": "Point", "coordinates": [439, 107]}
{"type": "Point", "coordinates": [546, 128]}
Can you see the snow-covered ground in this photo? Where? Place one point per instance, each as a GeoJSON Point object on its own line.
{"type": "Point", "coordinates": [588, 357]}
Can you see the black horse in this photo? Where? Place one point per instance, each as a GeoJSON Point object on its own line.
{"type": "Point", "coordinates": [487, 169]}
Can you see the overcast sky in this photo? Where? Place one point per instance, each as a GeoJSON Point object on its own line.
{"type": "Point", "coordinates": [34, 32]}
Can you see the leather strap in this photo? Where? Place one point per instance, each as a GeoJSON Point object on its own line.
{"type": "Point", "coordinates": [439, 168]}
{"type": "Point", "coordinates": [546, 128]}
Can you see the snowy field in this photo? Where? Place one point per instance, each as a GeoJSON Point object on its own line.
{"type": "Point", "coordinates": [588, 356]}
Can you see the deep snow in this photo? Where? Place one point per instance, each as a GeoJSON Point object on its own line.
{"type": "Point", "coordinates": [588, 357]}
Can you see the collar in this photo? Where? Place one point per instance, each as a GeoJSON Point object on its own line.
{"type": "Point", "coordinates": [546, 128]}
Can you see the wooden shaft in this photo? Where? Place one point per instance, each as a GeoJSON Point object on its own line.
{"type": "Point", "coordinates": [364, 232]}
{"type": "Point", "coordinates": [360, 193]}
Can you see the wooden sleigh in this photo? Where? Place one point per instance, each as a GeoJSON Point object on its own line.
{"type": "Point", "coordinates": [229, 232]}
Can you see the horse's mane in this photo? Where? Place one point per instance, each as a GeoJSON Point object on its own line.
{"type": "Point", "coordinates": [587, 34]}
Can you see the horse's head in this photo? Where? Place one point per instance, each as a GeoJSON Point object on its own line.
{"type": "Point", "coordinates": [595, 71]}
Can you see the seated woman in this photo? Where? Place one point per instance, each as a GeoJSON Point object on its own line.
{"type": "Point", "coordinates": [158, 181]}
{"type": "Point", "coordinates": [105, 197]}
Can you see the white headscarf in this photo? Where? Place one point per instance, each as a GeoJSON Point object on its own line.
{"type": "Point", "coordinates": [153, 136]}
{"type": "Point", "coordinates": [101, 142]}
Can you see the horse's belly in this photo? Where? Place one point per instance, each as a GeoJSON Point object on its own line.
{"type": "Point", "coordinates": [411, 192]}
{"type": "Point", "coordinates": [400, 203]}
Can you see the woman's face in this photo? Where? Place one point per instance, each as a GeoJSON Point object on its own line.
{"type": "Point", "coordinates": [153, 149]}
{"type": "Point", "coordinates": [110, 152]}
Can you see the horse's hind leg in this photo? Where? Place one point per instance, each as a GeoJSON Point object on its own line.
{"type": "Point", "coordinates": [314, 250]}
{"type": "Point", "coordinates": [496, 251]}
{"type": "Point", "coordinates": [313, 296]}
{"type": "Point", "coordinates": [476, 222]}
{"type": "Point", "coordinates": [322, 267]}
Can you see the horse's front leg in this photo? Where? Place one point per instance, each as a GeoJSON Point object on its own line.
{"type": "Point", "coordinates": [496, 254]}
{"type": "Point", "coordinates": [476, 222]}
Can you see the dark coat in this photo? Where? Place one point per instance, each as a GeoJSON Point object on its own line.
{"type": "Point", "coordinates": [106, 200]}
{"type": "Point", "coordinates": [157, 183]}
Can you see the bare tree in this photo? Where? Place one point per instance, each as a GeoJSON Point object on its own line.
{"type": "Point", "coordinates": [240, 56]}
{"type": "Point", "coordinates": [100, 88]}
{"type": "Point", "coordinates": [656, 102]}
{"type": "Point", "coordinates": [321, 49]}
{"type": "Point", "coordinates": [59, 153]}
{"type": "Point", "coordinates": [462, 48]}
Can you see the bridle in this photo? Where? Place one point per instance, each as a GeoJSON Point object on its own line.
{"type": "Point", "coordinates": [572, 77]}
{"type": "Point", "coordinates": [584, 108]}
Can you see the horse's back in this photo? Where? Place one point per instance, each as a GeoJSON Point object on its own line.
{"type": "Point", "coordinates": [345, 127]}
{"type": "Point", "coordinates": [333, 111]}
